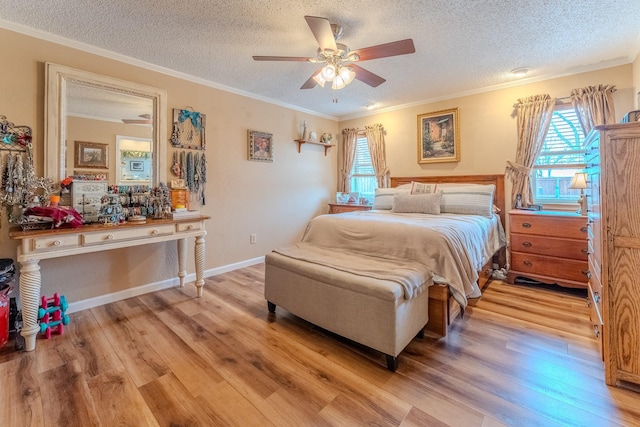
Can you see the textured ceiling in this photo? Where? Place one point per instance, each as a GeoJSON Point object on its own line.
{"type": "Point", "coordinates": [462, 46]}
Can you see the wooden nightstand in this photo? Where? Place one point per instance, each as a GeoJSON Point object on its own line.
{"type": "Point", "coordinates": [336, 208]}
{"type": "Point", "coordinates": [549, 246]}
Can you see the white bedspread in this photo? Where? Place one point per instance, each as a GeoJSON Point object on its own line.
{"type": "Point", "coordinates": [452, 247]}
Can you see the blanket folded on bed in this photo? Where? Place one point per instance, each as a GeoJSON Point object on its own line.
{"type": "Point", "coordinates": [414, 277]}
{"type": "Point", "coordinates": [451, 246]}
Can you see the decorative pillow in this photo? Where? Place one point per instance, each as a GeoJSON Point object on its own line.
{"type": "Point", "coordinates": [422, 188]}
{"type": "Point", "coordinates": [384, 197]}
{"type": "Point", "coordinates": [405, 186]}
{"type": "Point", "coordinates": [417, 203]}
{"type": "Point", "coordinates": [470, 199]}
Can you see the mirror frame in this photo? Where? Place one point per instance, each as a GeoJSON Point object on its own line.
{"type": "Point", "coordinates": [57, 78]}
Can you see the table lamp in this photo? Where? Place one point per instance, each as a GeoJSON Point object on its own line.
{"type": "Point", "coordinates": [579, 181]}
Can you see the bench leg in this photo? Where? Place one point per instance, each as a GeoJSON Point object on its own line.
{"type": "Point", "coordinates": [271, 306]}
{"type": "Point", "coordinates": [392, 362]}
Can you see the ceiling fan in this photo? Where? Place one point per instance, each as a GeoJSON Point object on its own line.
{"type": "Point", "coordinates": [338, 60]}
{"type": "Point", "coordinates": [144, 120]}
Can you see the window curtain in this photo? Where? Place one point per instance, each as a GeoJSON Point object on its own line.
{"type": "Point", "coordinates": [349, 142]}
{"type": "Point", "coordinates": [375, 141]}
{"type": "Point", "coordinates": [534, 116]}
{"type": "Point", "coordinates": [594, 106]}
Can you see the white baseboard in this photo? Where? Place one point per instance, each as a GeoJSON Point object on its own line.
{"type": "Point", "coordinates": [157, 286]}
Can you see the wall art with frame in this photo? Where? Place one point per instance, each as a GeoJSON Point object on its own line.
{"type": "Point", "coordinates": [91, 155]}
{"type": "Point", "coordinates": [439, 137]}
{"type": "Point", "coordinates": [260, 146]}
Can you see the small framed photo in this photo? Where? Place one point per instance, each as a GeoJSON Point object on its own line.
{"type": "Point", "coordinates": [136, 166]}
{"type": "Point", "coordinates": [260, 146]}
{"type": "Point", "coordinates": [438, 137]}
{"type": "Point", "coordinates": [91, 155]}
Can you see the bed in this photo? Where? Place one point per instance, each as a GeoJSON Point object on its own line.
{"type": "Point", "coordinates": [369, 277]}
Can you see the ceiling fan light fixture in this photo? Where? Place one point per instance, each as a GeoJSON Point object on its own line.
{"type": "Point", "coordinates": [318, 78]}
{"type": "Point", "coordinates": [328, 72]}
{"type": "Point", "coordinates": [347, 74]}
{"type": "Point", "coordinates": [338, 83]}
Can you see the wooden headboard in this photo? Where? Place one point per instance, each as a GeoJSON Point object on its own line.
{"type": "Point", "coordinates": [497, 180]}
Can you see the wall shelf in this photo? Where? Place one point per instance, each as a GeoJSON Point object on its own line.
{"type": "Point", "coordinates": [302, 141]}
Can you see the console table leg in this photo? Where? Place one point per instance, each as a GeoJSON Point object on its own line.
{"type": "Point", "coordinates": [199, 258]}
{"type": "Point", "coordinates": [182, 260]}
{"type": "Point", "coordinates": [30, 283]}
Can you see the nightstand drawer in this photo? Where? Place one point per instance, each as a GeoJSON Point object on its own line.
{"type": "Point", "coordinates": [550, 246]}
{"type": "Point", "coordinates": [559, 226]}
{"type": "Point", "coordinates": [561, 268]}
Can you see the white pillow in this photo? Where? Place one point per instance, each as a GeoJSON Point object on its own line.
{"type": "Point", "coordinates": [405, 186]}
{"type": "Point", "coordinates": [417, 203]}
{"type": "Point", "coordinates": [422, 188]}
{"type": "Point", "coordinates": [469, 199]}
{"type": "Point", "coordinates": [384, 197]}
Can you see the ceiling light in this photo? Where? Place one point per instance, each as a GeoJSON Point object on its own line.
{"type": "Point", "coordinates": [328, 72]}
{"type": "Point", "coordinates": [347, 74]}
{"type": "Point", "coordinates": [520, 72]}
{"type": "Point", "coordinates": [318, 78]}
{"type": "Point", "coordinates": [338, 83]}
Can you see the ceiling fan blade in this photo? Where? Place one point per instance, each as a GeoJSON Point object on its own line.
{"type": "Point", "coordinates": [281, 58]}
{"type": "Point", "coordinates": [136, 121]}
{"type": "Point", "coordinates": [310, 84]}
{"type": "Point", "coordinates": [366, 76]}
{"type": "Point", "coordinates": [321, 29]}
{"type": "Point", "coordinates": [401, 47]}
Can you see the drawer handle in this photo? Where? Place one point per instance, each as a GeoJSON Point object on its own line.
{"type": "Point", "coordinates": [596, 331]}
{"type": "Point", "coordinates": [583, 229]}
{"type": "Point", "coordinates": [527, 263]}
{"type": "Point", "coordinates": [584, 251]}
{"type": "Point", "coordinates": [57, 243]}
{"type": "Point", "coordinates": [596, 297]}
{"type": "Point", "coordinates": [190, 227]}
{"type": "Point", "coordinates": [586, 273]}
{"type": "Point", "coordinates": [109, 236]}
{"type": "Point", "coordinates": [526, 225]}
{"type": "Point", "coordinates": [527, 244]}
{"type": "Point", "coordinates": [154, 231]}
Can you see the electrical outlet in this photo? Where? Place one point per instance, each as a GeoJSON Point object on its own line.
{"type": "Point", "coordinates": [252, 238]}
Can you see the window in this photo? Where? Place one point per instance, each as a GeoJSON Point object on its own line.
{"type": "Point", "coordinates": [363, 177]}
{"type": "Point", "coordinates": [561, 157]}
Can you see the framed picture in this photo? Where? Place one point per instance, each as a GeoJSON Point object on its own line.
{"type": "Point", "coordinates": [260, 146]}
{"type": "Point", "coordinates": [438, 137]}
{"type": "Point", "coordinates": [136, 166]}
{"type": "Point", "coordinates": [91, 155]}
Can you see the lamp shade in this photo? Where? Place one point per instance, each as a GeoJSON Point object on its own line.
{"type": "Point", "coordinates": [579, 181]}
{"type": "Point", "coordinates": [329, 72]}
{"type": "Point", "coordinates": [318, 78]}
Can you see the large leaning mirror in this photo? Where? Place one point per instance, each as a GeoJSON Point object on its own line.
{"type": "Point", "coordinates": [98, 126]}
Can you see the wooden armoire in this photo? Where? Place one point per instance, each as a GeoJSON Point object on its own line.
{"type": "Point", "coordinates": [613, 169]}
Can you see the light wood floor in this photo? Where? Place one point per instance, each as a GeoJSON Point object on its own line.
{"type": "Point", "coordinates": [520, 357]}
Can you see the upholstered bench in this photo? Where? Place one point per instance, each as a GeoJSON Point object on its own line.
{"type": "Point", "coordinates": [372, 312]}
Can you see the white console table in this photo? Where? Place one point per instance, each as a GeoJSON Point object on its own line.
{"type": "Point", "coordinates": [36, 245]}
